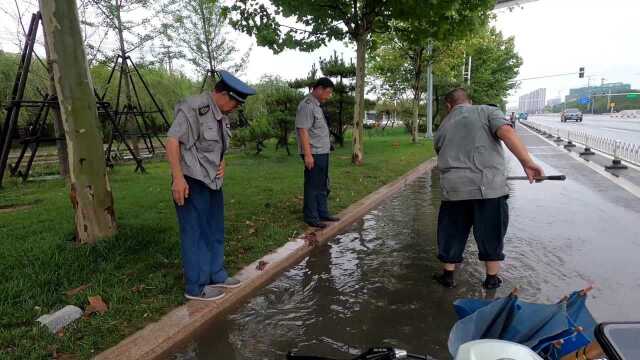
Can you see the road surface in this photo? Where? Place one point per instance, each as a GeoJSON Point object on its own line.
{"type": "Point", "coordinates": [627, 130]}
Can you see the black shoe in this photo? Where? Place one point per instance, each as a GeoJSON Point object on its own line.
{"type": "Point", "coordinates": [445, 280]}
{"type": "Point", "coordinates": [492, 282]}
{"type": "Point", "coordinates": [316, 224]}
{"type": "Point", "coordinates": [330, 218]}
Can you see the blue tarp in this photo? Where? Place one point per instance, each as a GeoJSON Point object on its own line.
{"type": "Point", "coordinates": [537, 326]}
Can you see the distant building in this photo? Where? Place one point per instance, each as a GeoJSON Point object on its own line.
{"type": "Point", "coordinates": [587, 91]}
{"type": "Point", "coordinates": [533, 102]}
{"type": "Point", "coordinates": [554, 102]}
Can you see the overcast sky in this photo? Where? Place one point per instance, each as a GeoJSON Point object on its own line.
{"type": "Point", "coordinates": [552, 36]}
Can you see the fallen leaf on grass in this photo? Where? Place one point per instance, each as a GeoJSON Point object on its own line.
{"type": "Point", "coordinates": [77, 290]}
{"type": "Point", "coordinates": [261, 265]}
{"type": "Point", "coordinates": [96, 305]}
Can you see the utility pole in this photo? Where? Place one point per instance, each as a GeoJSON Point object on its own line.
{"type": "Point", "coordinates": [464, 65]}
{"type": "Point", "coordinates": [429, 134]}
{"type": "Point", "coordinates": [469, 73]}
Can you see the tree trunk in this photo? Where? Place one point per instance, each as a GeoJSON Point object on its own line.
{"type": "Point", "coordinates": [90, 191]}
{"type": "Point", "coordinates": [357, 157]}
{"type": "Point", "coordinates": [414, 119]}
{"type": "Point", "coordinates": [340, 114]}
{"type": "Point", "coordinates": [58, 127]}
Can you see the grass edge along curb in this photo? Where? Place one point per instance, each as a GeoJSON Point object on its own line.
{"type": "Point", "coordinates": [174, 329]}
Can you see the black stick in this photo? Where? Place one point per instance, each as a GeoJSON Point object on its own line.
{"type": "Point", "coordinates": [541, 178]}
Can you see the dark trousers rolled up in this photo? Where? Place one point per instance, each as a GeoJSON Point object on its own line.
{"type": "Point", "coordinates": [316, 189]}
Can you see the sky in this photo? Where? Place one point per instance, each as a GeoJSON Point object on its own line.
{"type": "Point", "coordinates": [552, 37]}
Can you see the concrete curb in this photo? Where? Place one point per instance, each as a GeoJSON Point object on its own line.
{"type": "Point", "coordinates": [174, 329]}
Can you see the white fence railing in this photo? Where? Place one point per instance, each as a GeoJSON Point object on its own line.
{"type": "Point", "coordinates": [616, 148]}
{"type": "Point", "coordinates": [627, 114]}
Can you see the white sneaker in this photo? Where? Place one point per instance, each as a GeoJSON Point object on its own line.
{"type": "Point", "coordinates": [208, 294]}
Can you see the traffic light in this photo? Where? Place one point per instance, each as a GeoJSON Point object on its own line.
{"type": "Point", "coordinates": [581, 73]}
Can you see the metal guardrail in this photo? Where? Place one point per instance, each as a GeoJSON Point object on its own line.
{"type": "Point", "coordinates": [619, 150]}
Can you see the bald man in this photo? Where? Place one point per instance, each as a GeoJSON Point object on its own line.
{"type": "Point", "coordinates": [473, 179]}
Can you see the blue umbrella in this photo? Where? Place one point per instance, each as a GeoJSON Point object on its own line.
{"type": "Point", "coordinates": [551, 330]}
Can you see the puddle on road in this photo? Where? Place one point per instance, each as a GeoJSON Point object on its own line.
{"type": "Point", "coordinates": [372, 285]}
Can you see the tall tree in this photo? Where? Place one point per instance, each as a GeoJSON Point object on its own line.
{"type": "Point", "coordinates": [335, 67]}
{"type": "Point", "coordinates": [122, 20]}
{"type": "Point", "coordinates": [202, 26]}
{"type": "Point", "coordinates": [356, 20]}
{"type": "Point", "coordinates": [495, 64]}
{"type": "Point", "coordinates": [404, 47]}
{"type": "Point", "coordinates": [306, 83]}
{"type": "Point", "coordinates": [90, 191]}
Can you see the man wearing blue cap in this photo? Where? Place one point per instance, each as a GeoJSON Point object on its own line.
{"type": "Point", "coordinates": [196, 144]}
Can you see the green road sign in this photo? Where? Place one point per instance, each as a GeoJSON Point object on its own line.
{"type": "Point", "coordinates": [632, 96]}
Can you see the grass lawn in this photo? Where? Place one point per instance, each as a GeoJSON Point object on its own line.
{"type": "Point", "coordinates": [138, 272]}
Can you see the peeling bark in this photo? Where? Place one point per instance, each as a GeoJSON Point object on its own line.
{"type": "Point", "coordinates": [90, 193]}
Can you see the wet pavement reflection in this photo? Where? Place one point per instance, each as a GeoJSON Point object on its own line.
{"type": "Point", "coordinates": [372, 285]}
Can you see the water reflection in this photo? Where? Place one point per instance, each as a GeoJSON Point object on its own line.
{"type": "Point", "coordinates": [372, 285]}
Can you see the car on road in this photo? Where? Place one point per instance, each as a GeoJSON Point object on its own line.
{"type": "Point", "coordinates": [523, 116]}
{"type": "Point", "coordinates": [571, 114]}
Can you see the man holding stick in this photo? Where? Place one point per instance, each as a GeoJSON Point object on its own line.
{"type": "Point", "coordinates": [473, 178]}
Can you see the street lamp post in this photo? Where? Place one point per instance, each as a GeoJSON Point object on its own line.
{"type": "Point", "coordinates": [429, 134]}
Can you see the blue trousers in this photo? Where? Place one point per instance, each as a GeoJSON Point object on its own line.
{"type": "Point", "coordinates": [201, 220]}
{"type": "Point", "coordinates": [315, 189]}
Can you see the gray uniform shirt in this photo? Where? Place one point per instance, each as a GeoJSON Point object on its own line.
{"type": "Point", "coordinates": [470, 154]}
{"type": "Point", "coordinates": [310, 116]}
{"type": "Point", "coordinates": [204, 134]}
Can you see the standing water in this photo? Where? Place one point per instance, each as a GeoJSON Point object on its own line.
{"type": "Point", "coordinates": [372, 285]}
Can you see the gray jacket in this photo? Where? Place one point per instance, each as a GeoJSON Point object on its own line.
{"type": "Point", "coordinates": [204, 134]}
{"type": "Point", "coordinates": [470, 154]}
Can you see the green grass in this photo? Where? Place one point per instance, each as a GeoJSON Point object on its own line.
{"type": "Point", "coordinates": [138, 272]}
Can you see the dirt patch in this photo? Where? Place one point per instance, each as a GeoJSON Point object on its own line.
{"type": "Point", "coordinates": [11, 208]}
{"type": "Point", "coordinates": [4, 209]}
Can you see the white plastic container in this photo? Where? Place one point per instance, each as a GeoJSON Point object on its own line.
{"type": "Point", "coordinates": [60, 318]}
{"type": "Point", "coordinates": [495, 350]}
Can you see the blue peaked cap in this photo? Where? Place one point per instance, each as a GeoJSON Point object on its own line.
{"type": "Point", "coordinates": [238, 89]}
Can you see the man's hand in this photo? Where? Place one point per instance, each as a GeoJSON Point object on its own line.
{"type": "Point", "coordinates": [180, 190]}
{"type": "Point", "coordinates": [309, 162]}
{"type": "Point", "coordinates": [507, 134]}
{"type": "Point", "coordinates": [220, 172]}
{"type": "Point", "coordinates": [533, 171]}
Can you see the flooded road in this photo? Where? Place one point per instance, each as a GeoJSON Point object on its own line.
{"type": "Point", "coordinates": [372, 285]}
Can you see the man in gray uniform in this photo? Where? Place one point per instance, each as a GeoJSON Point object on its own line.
{"type": "Point", "coordinates": [197, 141]}
{"type": "Point", "coordinates": [314, 145]}
{"type": "Point", "coordinates": [473, 178]}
